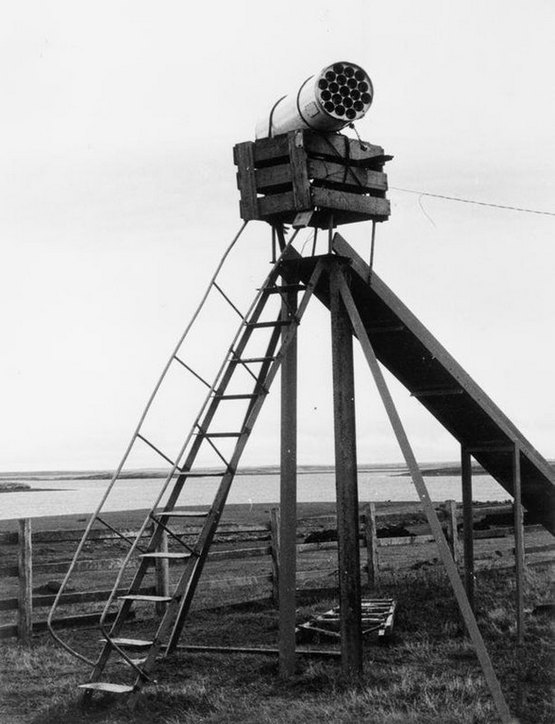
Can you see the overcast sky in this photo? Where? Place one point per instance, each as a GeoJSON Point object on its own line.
{"type": "Point", "coordinates": [118, 196]}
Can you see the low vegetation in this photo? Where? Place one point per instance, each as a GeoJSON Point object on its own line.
{"type": "Point", "coordinates": [426, 674]}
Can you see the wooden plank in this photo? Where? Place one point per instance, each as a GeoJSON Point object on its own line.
{"type": "Point", "coordinates": [540, 549]}
{"type": "Point", "coordinates": [9, 571]}
{"type": "Point", "coordinates": [244, 155]}
{"type": "Point", "coordinates": [162, 569]}
{"type": "Point", "coordinates": [273, 177]}
{"type": "Point", "coordinates": [8, 630]}
{"type": "Point", "coordinates": [288, 452]}
{"type": "Point", "coordinates": [25, 598]}
{"type": "Point", "coordinates": [371, 543]}
{"type": "Point", "coordinates": [452, 533]}
{"type": "Point", "coordinates": [344, 201]}
{"type": "Point", "coordinates": [9, 604]}
{"type": "Point", "coordinates": [9, 538]}
{"type": "Point", "coordinates": [101, 564]}
{"type": "Point", "coordinates": [276, 204]}
{"type": "Point", "coordinates": [299, 171]}
{"type": "Point", "coordinates": [271, 150]}
{"type": "Point", "coordinates": [435, 525]}
{"type": "Point", "coordinates": [318, 653]}
{"type": "Point", "coordinates": [87, 619]}
{"type": "Point", "coordinates": [346, 481]}
{"type": "Point", "coordinates": [240, 553]}
{"type": "Point", "coordinates": [274, 552]}
{"type": "Point", "coordinates": [468, 537]}
{"type": "Point", "coordinates": [224, 584]}
{"type": "Point", "coordinates": [334, 145]}
{"type": "Point", "coordinates": [350, 177]}
{"type": "Point", "coordinates": [519, 547]}
{"type": "Point", "coordinates": [406, 540]}
{"type": "Point", "coordinates": [62, 536]}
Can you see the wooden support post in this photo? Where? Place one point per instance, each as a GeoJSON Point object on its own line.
{"type": "Point", "coordinates": [162, 574]}
{"type": "Point", "coordinates": [468, 525]}
{"type": "Point", "coordinates": [421, 489]}
{"type": "Point", "coordinates": [346, 478]}
{"type": "Point", "coordinates": [288, 498]}
{"type": "Point", "coordinates": [519, 547]}
{"type": "Point", "coordinates": [452, 532]}
{"type": "Point", "coordinates": [25, 564]}
{"type": "Point", "coordinates": [371, 543]}
{"type": "Point", "coordinates": [274, 552]}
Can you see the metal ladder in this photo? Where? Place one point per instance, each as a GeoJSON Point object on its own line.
{"type": "Point", "coordinates": [261, 371]}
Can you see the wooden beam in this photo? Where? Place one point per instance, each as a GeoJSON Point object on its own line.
{"type": "Point", "coordinates": [451, 510]}
{"type": "Point", "coordinates": [299, 171]}
{"type": "Point", "coordinates": [519, 546]}
{"type": "Point", "coordinates": [345, 478]}
{"type": "Point", "coordinates": [288, 493]}
{"type": "Point", "coordinates": [274, 552]}
{"type": "Point", "coordinates": [468, 537]}
{"type": "Point", "coordinates": [162, 567]}
{"type": "Point", "coordinates": [371, 543]}
{"type": "Point", "coordinates": [420, 485]}
{"type": "Point", "coordinates": [25, 598]}
{"type": "Point", "coordinates": [244, 158]}
{"type": "Point", "coordinates": [345, 201]}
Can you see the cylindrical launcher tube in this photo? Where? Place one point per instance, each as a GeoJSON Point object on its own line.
{"type": "Point", "coordinates": [325, 102]}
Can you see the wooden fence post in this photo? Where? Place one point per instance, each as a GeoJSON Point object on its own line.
{"type": "Point", "coordinates": [274, 546]}
{"type": "Point", "coordinates": [162, 574]}
{"type": "Point", "coordinates": [25, 564]}
{"type": "Point", "coordinates": [370, 532]}
{"type": "Point", "coordinates": [452, 531]}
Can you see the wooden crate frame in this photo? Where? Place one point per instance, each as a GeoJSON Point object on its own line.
{"type": "Point", "coordinates": [280, 179]}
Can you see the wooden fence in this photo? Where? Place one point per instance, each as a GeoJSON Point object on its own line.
{"type": "Point", "coordinates": [32, 558]}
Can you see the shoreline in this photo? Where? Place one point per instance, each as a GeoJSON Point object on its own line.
{"type": "Point", "coordinates": [241, 513]}
{"type": "Point", "coordinates": [394, 469]}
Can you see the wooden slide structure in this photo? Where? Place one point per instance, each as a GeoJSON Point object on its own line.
{"type": "Point", "coordinates": [407, 349]}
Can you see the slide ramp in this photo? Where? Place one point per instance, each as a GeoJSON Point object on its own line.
{"type": "Point", "coordinates": [413, 355]}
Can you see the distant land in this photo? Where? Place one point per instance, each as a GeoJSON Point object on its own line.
{"type": "Point", "coordinates": [15, 480]}
{"type": "Point", "coordinates": [397, 469]}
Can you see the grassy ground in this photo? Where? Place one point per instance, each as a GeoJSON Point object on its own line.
{"type": "Point", "coordinates": [427, 674]}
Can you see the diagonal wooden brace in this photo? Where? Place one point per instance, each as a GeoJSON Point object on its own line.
{"type": "Point", "coordinates": [420, 485]}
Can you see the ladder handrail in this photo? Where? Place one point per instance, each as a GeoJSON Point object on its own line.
{"type": "Point", "coordinates": [117, 473]}
{"type": "Point", "coordinates": [174, 467]}
{"type": "Point", "coordinates": [209, 396]}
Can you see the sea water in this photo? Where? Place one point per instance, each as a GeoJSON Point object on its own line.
{"type": "Point", "coordinates": [53, 495]}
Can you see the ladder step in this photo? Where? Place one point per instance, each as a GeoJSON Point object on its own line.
{"type": "Point", "coordinates": [165, 556]}
{"type": "Point", "coordinates": [248, 360]}
{"type": "Point", "coordinates": [181, 513]}
{"type": "Point", "coordinates": [200, 474]}
{"type": "Point", "coordinates": [107, 686]}
{"type": "Point", "coordinates": [220, 434]}
{"type": "Point", "coordinates": [145, 597]}
{"type": "Point", "coordinates": [278, 323]}
{"type": "Point", "coordinates": [285, 288]}
{"type": "Point", "coordinates": [251, 396]}
{"type": "Point", "coordinates": [131, 643]}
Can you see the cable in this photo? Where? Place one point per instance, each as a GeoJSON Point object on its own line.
{"type": "Point", "coordinates": [470, 201]}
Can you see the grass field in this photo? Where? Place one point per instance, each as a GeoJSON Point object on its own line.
{"type": "Point", "coordinates": [427, 674]}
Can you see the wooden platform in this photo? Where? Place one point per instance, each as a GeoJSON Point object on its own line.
{"type": "Point", "coordinates": [408, 350]}
{"type": "Point", "coordinates": [377, 616]}
{"type": "Point", "coordinates": [315, 175]}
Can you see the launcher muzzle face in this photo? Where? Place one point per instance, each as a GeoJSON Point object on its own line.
{"type": "Point", "coordinates": [339, 94]}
